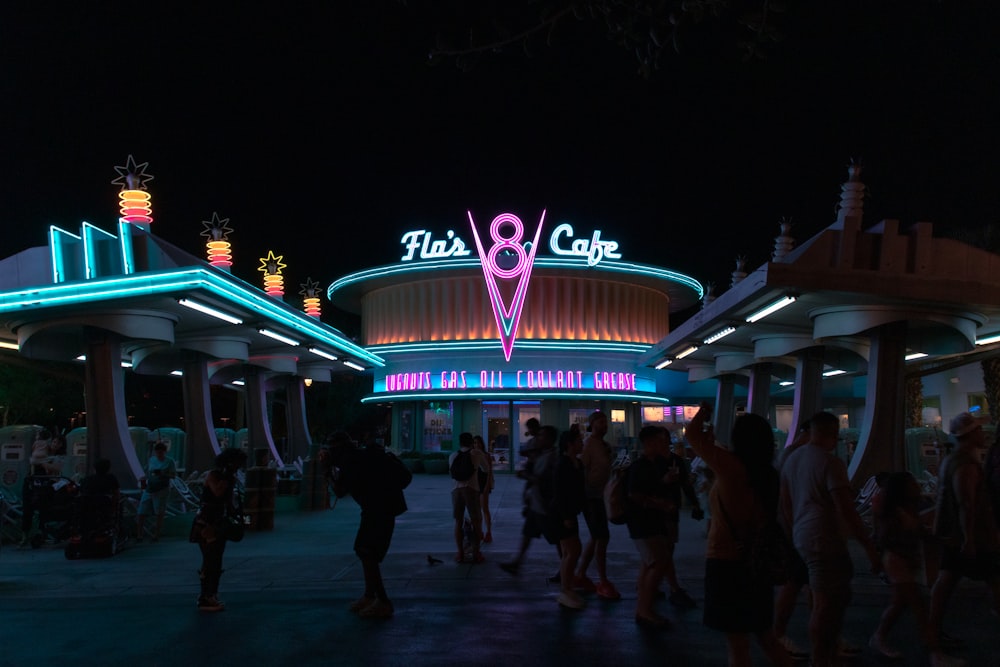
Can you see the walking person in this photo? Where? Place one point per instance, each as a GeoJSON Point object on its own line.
{"type": "Point", "coordinates": [649, 504]}
{"type": "Point", "coordinates": [744, 500]}
{"type": "Point", "coordinates": [539, 452]}
{"type": "Point", "coordinates": [465, 464]}
{"type": "Point", "coordinates": [486, 485]}
{"type": "Point", "coordinates": [219, 500]}
{"type": "Point", "coordinates": [375, 479]}
{"type": "Point", "coordinates": [160, 470]}
{"type": "Point", "coordinates": [964, 523]}
{"type": "Point", "coordinates": [818, 504]}
{"type": "Point", "coordinates": [568, 500]}
{"type": "Point", "coordinates": [900, 535]}
{"type": "Point", "coordinates": [597, 460]}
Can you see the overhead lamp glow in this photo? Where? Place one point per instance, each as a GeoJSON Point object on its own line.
{"type": "Point", "coordinates": [208, 310]}
{"type": "Point", "coordinates": [321, 353]}
{"type": "Point", "coordinates": [786, 383]}
{"type": "Point", "coordinates": [82, 357]}
{"type": "Point", "coordinates": [277, 336]}
{"type": "Point", "coordinates": [351, 364]}
{"type": "Point", "coordinates": [237, 383]}
{"type": "Point", "coordinates": [177, 373]}
{"type": "Point", "coordinates": [773, 308]}
{"type": "Point", "coordinates": [836, 371]}
{"type": "Point", "coordinates": [9, 346]}
{"type": "Point", "coordinates": [664, 363]}
{"type": "Point", "coordinates": [989, 339]}
{"type": "Point", "coordinates": [915, 355]}
{"type": "Point", "coordinates": [718, 335]}
{"type": "Point", "coordinates": [126, 364]}
{"type": "Point", "coordinates": [688, 352]}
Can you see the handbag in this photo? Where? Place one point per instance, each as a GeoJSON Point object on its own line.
{"type": "Point", "coordinates": [766, 550]}
{"type": "Point", "coordinates": [233, 527]}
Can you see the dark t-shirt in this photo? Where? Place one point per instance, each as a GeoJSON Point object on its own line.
{"type": "Point", "coordinates": [369, 477]}
{"type": "Point", "coordinates": [645, 477]}
{"type": "Point", "coordinates": [99, 484]}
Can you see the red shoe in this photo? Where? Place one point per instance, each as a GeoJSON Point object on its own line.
{"type": "Point", "coordinates": [607, 590]}
{"type": "Point", "coordinates": [584, 584]}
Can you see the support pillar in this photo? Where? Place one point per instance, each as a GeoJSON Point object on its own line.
{"type": "Point", "coordinates": [202, 444]}
{"type": "Point", "coordinates": [258, 424]}
{"type": "Point", "coordinates": [759, 391]}
{"type": "Point", "coordinates": [881, 444]}
{"type": "Point", "coordinates": [299, 441]}
{"type": "Point", "coordinates": [107, 419]}
{"type": "Point", "coordinates": [725, 407]}
{"type": "Point", "coordinates": [808, 399]}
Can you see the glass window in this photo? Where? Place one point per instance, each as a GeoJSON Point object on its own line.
{"type": "Point", "coordinates": [438, 417]}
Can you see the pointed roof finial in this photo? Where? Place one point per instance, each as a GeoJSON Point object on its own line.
{"type": "Point", "coordinates": [783, 243]}
{"type": "Point", "coordinates": [852, 193]}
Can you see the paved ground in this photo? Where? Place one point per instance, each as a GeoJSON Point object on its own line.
{"type": "Point", "coordinates": [287, 593]}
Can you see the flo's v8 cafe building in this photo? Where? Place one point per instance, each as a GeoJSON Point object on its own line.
{"type": "Point", "coordinates": [494, 321]}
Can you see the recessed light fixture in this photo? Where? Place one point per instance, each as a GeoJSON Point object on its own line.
{"type": "Point", "coordinates": [689, 351]}
{"type": "Point", "coordinates": [237, 383]}
{"type": "Point", "coordinates": [9, 346]}
{"type": "Point", "coordinates": [989, 339]}
{"type": "Point", "coordinates": [278, 337]}
{"type": "Point", "coordinates": [772, 308]}
{"type": "Point", "coordinates": [208, 310]}
{"type": "Point", "coordinates": [836, 371]}
{"type": "Point", "coordinates": [786, 383]}
{"type": "Point", "coordinates": [915, 355]}
{"type": "Point", "coordinates": [177, 373]}
{"type": "Point", "coordinates": [351, 364]}
{"type": "Point", "coordinates": [664, 363]}
{"type": "Point", "coordinates": [321, 353]}
{"type": "Point", "coordinates": [718, 335]}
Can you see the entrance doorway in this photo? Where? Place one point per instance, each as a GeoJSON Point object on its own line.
{"type": "Point", "coordinates": [504, 426]}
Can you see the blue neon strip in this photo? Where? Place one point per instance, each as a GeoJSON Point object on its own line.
{"type": "Point", "coordinates": [480, 345]}
{"type": "Point", "coordinates": [171, 282]}
{"type": "Point", "coordinates": [128, 255]}
{"type": "Point", "coordinates": [89, 247]}
{"type": "Point", "coordinates": [56, 242]}
{"type": "Point", "coordinates": [510, 396]}
{"type": "Point", "coordinates": [608, 265]}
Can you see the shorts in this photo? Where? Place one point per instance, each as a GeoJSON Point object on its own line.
{"type": "Point", "coordinates": [374, 536]}
{"type": "Point", "coordinates": [556, 530]}
{"type": "Point", "coordinates": [830, 573]}
{"type": "Point", "coordinates": [153, 503]}
{"type": "Point", "coordinates": [596, 516]}
{"type": "Point", "coordinates": [984, 567]}
{"type": "Point", "coordinates": [655, 549]}
{"type": "Point", "coordinates": [465, 498]}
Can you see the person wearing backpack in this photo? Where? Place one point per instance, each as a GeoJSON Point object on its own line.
{"type": "Point", "coordinates": [464, 465]}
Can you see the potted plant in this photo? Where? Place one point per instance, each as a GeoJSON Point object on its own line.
{"type": "Point", "coordinates": [436, 463]}
{"type": "Point", "coordinates": [411, 458]}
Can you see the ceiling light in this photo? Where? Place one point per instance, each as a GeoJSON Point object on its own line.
{"type": "Point", "coordinates": [664, 363]}
{"type": "Point", "coordinates": [321, 353]}
{"type": "Point", "coordinates": [9, 346]}
{"type": "Point", "coordinates": [351, 364]}
{"type": "Point", "coordinates": [277, 336]}
{"type": "Point", "coordinates": [786, 383]}
{"type": "Point", "coordinates": [177, 373]}
{"type": "Point", "coordinates": [718, 335]}
{"type": "Point", "coordinates": [915, 355]}
{"type": "Point", "coordinates": [835, 371]}
{"type": "Point", "coordinates": [208, 310]}
{"type": "Point", "coordinates": [237, 383]}
{"type": "Point", "coordinates": [995, 338]}
{"type": "Point", "coordinates": [82, 357]}
{"type": "Point", "coordinates": [767, 310]}
{"type": "Point", "coordinates": [689, 351]}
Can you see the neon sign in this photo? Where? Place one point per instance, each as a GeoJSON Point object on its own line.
{"type": "Point", "coordinates": [421, 239]}
{"type": "Point", "coordinates": [509, 247]}
{"type": "Point", "coordinates": [274, 282]}
{"type": "Point", "coordinates": [601, 380]}
{"type": "Point", "coordinates": [133, 200]}
{"type": "Point", "coordinates": [594, 249]}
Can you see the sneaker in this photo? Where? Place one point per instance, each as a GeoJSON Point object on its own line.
{"type": "Point", "coordinates": [378, 609]}
{"type": "Point", "coordinates": [882, 649]}
{"type": "Point", "coordinates": [570, 600]}
{"type": "Point", "coordinates": [607, 590]}
{"type": "Point", "coordinates": [846, 650]}
{"type": "Point", "coordinates": [682, 600]}
{"type": "Point", "coordinates": [794, 651]}
{"type": "Point", "coordinates": [361, 603]}
{"type": "Point", "coordinates": [210, 604]}
{"type": "Point", "coordinates": [584, 584]}
{"type": "Point", "coordinates": [511, 567]}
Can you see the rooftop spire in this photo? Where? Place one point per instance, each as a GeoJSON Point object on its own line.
{"type": "Point", "coordinates": [852, 193]}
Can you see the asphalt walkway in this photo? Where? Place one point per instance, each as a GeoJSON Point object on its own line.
{"type": "Point", "coordinates": [287, 593]}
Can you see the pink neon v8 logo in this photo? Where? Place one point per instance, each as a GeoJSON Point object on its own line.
{"type": "Point", "coordinates": [496, 263]}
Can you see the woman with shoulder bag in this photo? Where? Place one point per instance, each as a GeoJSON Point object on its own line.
{"type": "Point", "coordinates": [218, 501]}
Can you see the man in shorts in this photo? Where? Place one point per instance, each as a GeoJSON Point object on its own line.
{"type": "Point", "coordinates": [160, 470]}
{"type": "Point", "coordinates": [818, 504]}
{"type": "Point", "coordinates": [597, 461]}
{"type": "Point", "coordinates": [964, 523]}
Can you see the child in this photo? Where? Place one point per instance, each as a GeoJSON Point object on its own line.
{"type": "Point", "coordinates": [899, 536]}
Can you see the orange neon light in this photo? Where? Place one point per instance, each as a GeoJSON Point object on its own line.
{"type": "Point", "coordinates": [133, 199]}
{"type": "Point", "coordinates": [274, 283]}
{"type": "Point", "coordinates": [219, 254]}
{"type": "Point", "coordinates": [311, 306]}
{"type": "Point", "coordinates": [310, 301]}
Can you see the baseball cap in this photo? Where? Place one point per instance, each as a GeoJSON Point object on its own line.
{"type": "Point", "coordinates": [962, 424]}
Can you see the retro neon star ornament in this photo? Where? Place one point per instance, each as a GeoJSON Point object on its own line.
{"type": "Point", "coordinates": [310, 292]}
{"type": "Point", "coordinates": [217, 231]}
{"type": "Point", "coordinates": [133, 200]}
{"type": "Point", "coordinates": [274, 283]}
{"type": "Point", "coordinates": [132, 176]}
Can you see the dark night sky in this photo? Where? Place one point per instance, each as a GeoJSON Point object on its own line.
{"type": "Point", "coordinates": [323, 134]}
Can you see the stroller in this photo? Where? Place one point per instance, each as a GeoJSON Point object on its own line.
{"type": "Point", "coordinates": [53, 497]}
{"type": "Point", "coordinates": [96, 530]}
